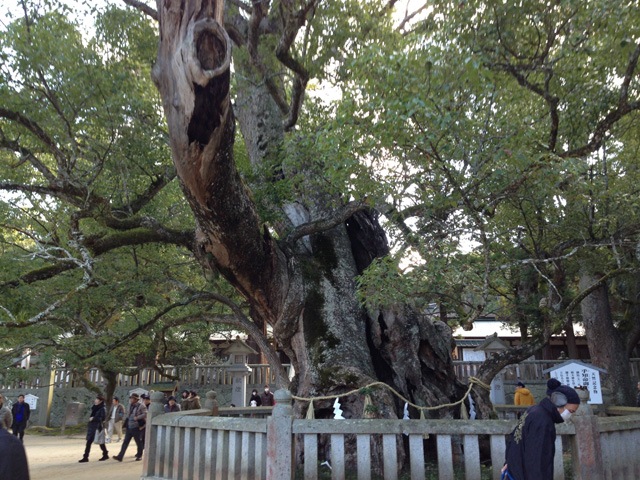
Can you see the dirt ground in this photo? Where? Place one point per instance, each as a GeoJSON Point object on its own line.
{"type": "Point", "coordinates": [52, 458]}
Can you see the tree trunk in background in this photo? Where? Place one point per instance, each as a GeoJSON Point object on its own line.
{"type": "Point", "coordinates": [606, 348]}
{"type": "Point", "coordinates": [571, 340]}
{"type": "Point", "coordinates": [111, 382]}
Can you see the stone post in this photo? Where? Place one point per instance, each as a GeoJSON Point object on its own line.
{"type": "Point", "coordinates": [211, 403]}
{"type": "Point", "coordinates": [150, 441]}
{"type": "Point", "coordinates": [586, 448]}
{"type": "Point", "coordinates": [280, 438]}
{"type": "Point", "coordinates": [585, 408]}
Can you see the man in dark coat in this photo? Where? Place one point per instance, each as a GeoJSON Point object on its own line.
{"type": "Point", "coordinates": [137, 415]}
{"type": "Point", "coordinates": [95, 425]}
{"type": "Point", "coordinates": [21, 412]}
{"type": "Point", "coordinates": [532, 445]}
{"type": "Point", "coordinates": [267, 397]}
{"type": "Point", "coordinates": [13, 460]}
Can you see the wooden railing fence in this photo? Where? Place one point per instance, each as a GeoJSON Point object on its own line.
{"type": "Point", "coordinates": [189, 445]}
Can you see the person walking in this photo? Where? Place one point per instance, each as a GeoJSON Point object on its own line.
{"type": "Point", "coordinates": [267, 398]}
{"type": "Point", "coordinates": [96, 427]}
{"type": "Point", "coordinates": [523, 396]}
{"type": "Point", "coordinates": [116, 417]}
{"type": "Point", "coordinates": [532, 445]}
{"type": "Point", "coordinates": [137, 412]}
{"type": "Point", "coordinates": [13, 459]}
{"type": "Point", "coordinates": [21, 413]}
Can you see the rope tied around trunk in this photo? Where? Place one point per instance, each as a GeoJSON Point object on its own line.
{"type": "Point", "coordinates": [472, 381]}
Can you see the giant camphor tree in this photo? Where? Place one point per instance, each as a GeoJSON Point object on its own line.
{"type": "Point", "coordinates": [298, 271]}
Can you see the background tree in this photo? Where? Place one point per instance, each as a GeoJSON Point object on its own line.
{"type": "Point", "coordinates": [519, 118]}
{"type": "Point", "coordinates": [96, 263]}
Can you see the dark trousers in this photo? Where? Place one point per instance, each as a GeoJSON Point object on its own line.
{"type": "Point", "coordinates": [142, 437]}
{"type": "Point", "coordinates": [135, 434]}
{"type": "Point", "coordinates": [87, 449]}
{"type": "Point", "coordinates": [18, 428]}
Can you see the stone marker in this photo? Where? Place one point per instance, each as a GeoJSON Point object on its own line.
{"type": "Point", "coordinates": [73, 414]}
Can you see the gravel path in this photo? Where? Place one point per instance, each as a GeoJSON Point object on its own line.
{"type": "Point", "coordinates": [52, 458]}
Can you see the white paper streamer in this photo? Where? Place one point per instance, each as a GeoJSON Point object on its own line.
{"type": "Point", "coordinates": [337, 411]}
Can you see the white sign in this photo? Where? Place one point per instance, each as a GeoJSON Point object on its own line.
{"type": "Point", "coordinates": [139, 391]}
{"type": "Point", "coordinates": [576, 374]}
{"type": "Point", "coordinates": [31, 400]}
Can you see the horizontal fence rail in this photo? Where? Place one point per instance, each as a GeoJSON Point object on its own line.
{"type": "Point", "coordinates": [448, 434]}
{"type": "Point", "coordinates": [527, 370]}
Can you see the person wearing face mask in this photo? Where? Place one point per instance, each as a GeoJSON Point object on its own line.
{"type": "Point", "coordinates": [267, 397]}
{"type": "Point", "coordinates": [532, 444]}
{"type": "Point", "coordinates": [254, 400]}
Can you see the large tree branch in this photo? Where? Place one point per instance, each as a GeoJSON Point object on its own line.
{"type": "Point", "coordinates": [53, 191]}
{"type": "Point", "coordinates": [141, 232]}
{"type": "Point", "coordinates": [38, 274]}
{"type": "Point", "coordinates": [26, 154]}
{"type": "Point", "coordinates": [37, 131]}
{"type": "Point", "coordinates": [143, 7]}
{"type": "Point", "coordinates": [601, 130]}
{"type": "Point", "coordinates": [552, 100]}
{"type": "Point", "coordinates": [283, 52]}
{"type": "Point", "coordinates": [140, 236]}
{"type": "Point", "coordinates": [112, 345]}
{"type": "Point", "coordinates": [193, 76]}
{"type": "Point", "coordinates": [156, 185]}
{"type": "Point", "coordinates": [258, 13]}
{"type": "Point", "coordinates": [623, 108]}
{"type": "Point", "coordinates": [628, 76]}
{"type": "Point", "coordinates": [327, 223]}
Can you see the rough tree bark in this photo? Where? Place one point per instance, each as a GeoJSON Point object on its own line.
{"type": "Point", "coordinates": [304, 288]}
{"type": "Point", "coordinates": [606, 347]}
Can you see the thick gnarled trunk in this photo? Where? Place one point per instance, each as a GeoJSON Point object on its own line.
{"type": "Point", "coordinates": [606, 348]}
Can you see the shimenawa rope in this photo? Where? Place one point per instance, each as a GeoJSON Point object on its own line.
{"type": "Point", "coordinates": [472, 381]}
